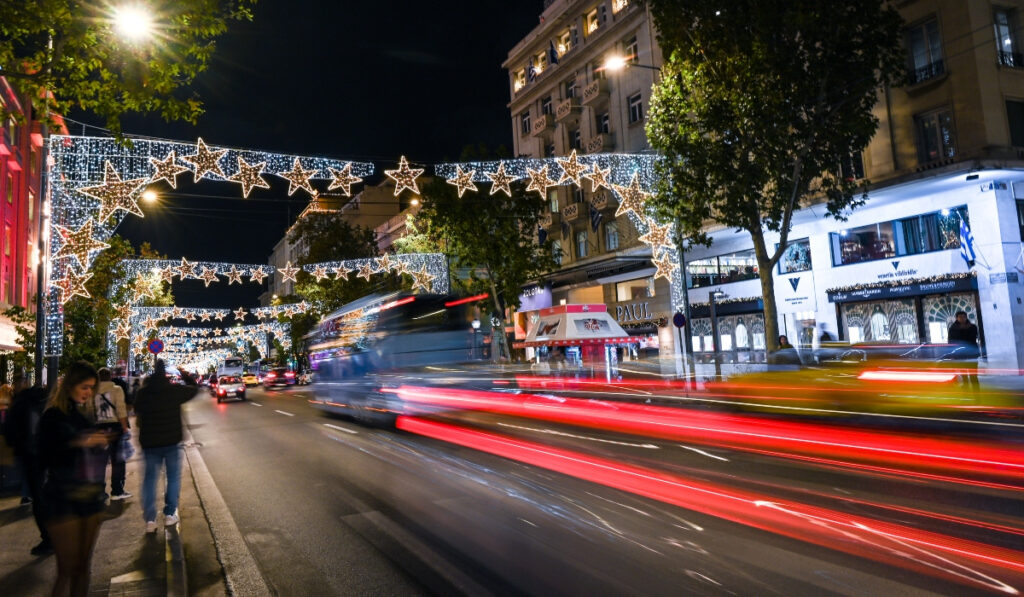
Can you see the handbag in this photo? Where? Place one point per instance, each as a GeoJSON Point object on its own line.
{"type": "Point", "coordinates": [125, 449]}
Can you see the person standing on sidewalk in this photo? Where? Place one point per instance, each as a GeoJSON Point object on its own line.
{"type": "Point", "coordinates": [109, 411]}
{"type": "Point", "coordinates": [73, 454]}
{"type": "Point", "coordinates": [21, 429]}
{"type": "Point", "coordinates": [964, 335]}
{"type": "Point", "coordinates": [158, 416]}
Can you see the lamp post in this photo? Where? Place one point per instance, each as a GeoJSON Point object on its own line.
{"type": "Point", "coordinates": [712, 297]}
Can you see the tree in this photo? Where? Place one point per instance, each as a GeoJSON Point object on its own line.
{"type": "Point", "coordinates": [25, 327]}
{"type": "Point", "coordinates": [494, 236]}
{"type": "Point", "coordinates": [759, 103]}
{"type": "Point", "coordinates": [63, 53]}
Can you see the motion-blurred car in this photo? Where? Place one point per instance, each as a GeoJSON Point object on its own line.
{"type": "Point", "coordinates": [250, 379]}
{"type": "Point", "coordinates": [280, 377]}
{"type": "Point", "coordinates": [229, 387]}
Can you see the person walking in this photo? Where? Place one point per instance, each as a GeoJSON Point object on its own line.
{"type": "Point", "coordinates": [110, 413]}
{"type": "Point", "coordinates": [964, 335]}
{"type": "Point", "coordinates": [158, 416]}
{"type": "Point", "coordinates": [21, 430]}
{"type": "Point", "coordinates": [72, 453]}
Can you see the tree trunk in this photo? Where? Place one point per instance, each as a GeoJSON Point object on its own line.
{"type": "Point", "coordinates": [766, 271]}
{"type": "Point", "coordinates": [498, 332]}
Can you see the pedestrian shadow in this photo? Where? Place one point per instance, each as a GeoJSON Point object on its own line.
{"type": "Point", "coordinates": [32, 574]}
{"type": "Point", "coordinates": [115, 509]}
{"type": "Point", "coordinates": [15, 514]}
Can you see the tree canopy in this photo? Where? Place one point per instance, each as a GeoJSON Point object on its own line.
{"type": "Point", "coordinates": [64, 53]}
{"type": "Point", "coordinates": [758, 104]}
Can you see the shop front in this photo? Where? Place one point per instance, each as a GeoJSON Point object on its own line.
{"type": "Point", "coordinates": [739, 324]}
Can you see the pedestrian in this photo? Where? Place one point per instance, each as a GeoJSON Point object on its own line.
{"type": "Point", "coordinates": [21, 429]}
{"type": "Point", "coordinates": [786, 354]}
{"type": "Point", "coordinates": [784, 343]}
{"type": "Point", "coordinates": [110, 413]}
{"type": "Point", "coordinates": [826, 336]}
{"type": "Point", "coordinates": [964, 335]}
{"type": "Point", "coordinates": [158, 416]}
{"type": "Point", "coordinates": [130, 397]}
{"type": "Point", "coordinates": [72, 453]}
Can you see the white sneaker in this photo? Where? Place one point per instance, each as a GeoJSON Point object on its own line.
{"type": "Point", "coordinates": [121, 496]}
{"type": "Point", "coordinates": [151, 526]}
{"type": "Point", "coordinates": [171, 520]}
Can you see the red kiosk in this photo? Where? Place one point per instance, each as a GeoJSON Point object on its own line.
{"type": "Point", "coordinates": [587, 329]}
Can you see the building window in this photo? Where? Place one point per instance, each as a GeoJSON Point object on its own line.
{"type": "Point", "coordinates": [1015, 118]}
{"type": "Point", "coordinates": [553, 200]}
{"type": "Point", "coordinates": [852, 168]}
{"type": "Point", "coordinates": [936, 136]}
{"type": "Point", "coordinates": [611, 236]}
{"type": "Point", "coordinates": [10, 188]}
{"type": "Point", "coordinates": [618, 5]}
{"type": "Point", "coordinates": [936, 231]}
{"type": "Point", "coordinates": [556, 251]}
{"type": "Point", "coordinates": [577, 195]}
{"type": "Point", "coordinates": [593, 20]}
{"type": "Point", "coordinates": [632, 290]}
{"type": "Point", "coordinates": [570, 88]}
{"type": "Point", "coordinates": [636, 108]}
{"type": "Point", "coordinates": [597, 71]}
{"type": "Point", "coordinates": [733, 267]}
{"type": "Point", "coordinates": [31, 205]}
{"type": "Point", "coordinates": [7, 241]}
{"type": "Point", "coordinates": [581, 244]}
{"type": "Point", "coordinates": [604, 123]}
{"type": "Point", "coordinates": [1006, 42]}
{"type": "Point", "coordinates": [575, 140]}
{"type": "Point", "coordinates": [796, 257]}
{"type": "Point", "coordinates": [545, 105]}
{"type": "Point", "coordinates": [564, 42]}
{"type": "Point", "coordinates": [540, 62]}
{"type": "Point", "coordinates": [549, 150]}
{"type": "Point", "coordinates": [631, 50]}
{"type": "Point", "coordinates": [1020, 217]}
{"type": "Point", "coordinates": [524, 121]}
{"type": "Point", "coordinates": [519, 79]}
{"type": "Point", "coordinates": [925, 52]}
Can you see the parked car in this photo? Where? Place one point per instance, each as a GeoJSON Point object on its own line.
{"type": "Point", "coordinates": [229, 386]}
{"type": "Point", "coordinates": [280, 377]}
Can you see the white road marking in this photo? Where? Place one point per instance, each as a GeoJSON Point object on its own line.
{"type": "Point", "coordinates": [703, 453]}
{"type": "Point", "coordinates": [341, 429]}
{"type": "Point", "coordinates": [284, 413]}
{"type": "Point", "coordinates": [255, 403]}
{"type": "Point", "coordinates": [574, 436]}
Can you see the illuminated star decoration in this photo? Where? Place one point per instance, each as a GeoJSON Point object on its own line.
{"type": "Point", "coordinates": [123, 331]}
{"type": "Point", "coordinates": [189, 316]}
{"type": "Point", "coordinates": [208, 275]}
{"type": "Point", "coordinates": [539, 181]}
{"type": "Point", "coordinates": [221, 315]}
{"type": "Point", "coordinates": [72, 285]}
{"type": "Point", "coordinates": [633, 198]}
{"type": "Point", "coordinates": [142, 288]}
{"type": "Point", "coordinates": [341, 272]}
{"type": "Point", "coordinates": [186, 270]}
{"type": "Point", "coordinates": [257, 275]}
{"type": "Point", "coordinates": [205, 161]}
{"type": "Point", "coordinates": [402, 267]}
{"type": "Point", "coordinates": [657, 236]}
{"type": "Point", "coordinates": [320, 272]}
{"type": "Point", "coordinates": [167, 274]}
{"type": "Point", "coordinates": [404, 177]}
{"type": "Point", "coordinates": [240, 313]}
{"type": "Point", "coordinates": [204, 316]}
{"type": "Point", "coordinates": [572, 169]}
{"type": "Point", "coordinates": [343, 179]}
{"type": "Point", "coordinates": [248, 176]}
{"type": "Point", "coordinates": [298, 178]}
{"type": "Point", "coordinates": [365, 271]}
{"type": "Point", "coordinates": [385, 263]}
{"type": "Point", "coordinates": [234, 275]}
{"type": "Point", "coordinates": [124, 311]}
{"type": "Point", "coordinates": [664, 265]}
{"type": "Point", "coordinates": [500, 180]}
{"type": "Point", "coordinates": [167, 169]}
{"type": "Point", "coordinates": [288, 272]}
{"type": "Point", "coordinates": [422, 279]}
{"type": "Point", "coordinates": [115, 194]}
{"type": "Point", "coordinates": [462, 180]}
{"type": "Point", "coordinates": [177, 312]}
{"type": "Point", "coordinates": [598, 178]}
{"type": "Point", "coordinates": [79, 243]}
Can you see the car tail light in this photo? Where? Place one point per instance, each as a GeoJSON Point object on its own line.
{"type": "Point", "coordinates": [289, 374]}
{"type": "Point", "coordinates": [271, 375]}
{"type": "Point", "coordinates": [222, 391]}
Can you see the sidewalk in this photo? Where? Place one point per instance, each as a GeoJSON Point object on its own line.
{"type": "Point", "coordinates": [178, 560]}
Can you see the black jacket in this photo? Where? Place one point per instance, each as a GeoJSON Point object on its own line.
{"type": "Point", "coordinates": [22, 421]}
{"type": "Point", "coordinates": [158, 411]}
{"type": "Point", "coordinates": [966, 335]}
{"type": "Point", "coordinates": [72, 473]}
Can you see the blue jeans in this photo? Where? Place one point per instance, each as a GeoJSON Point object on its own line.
{"type": "Point", "coordinates": [155, 457]}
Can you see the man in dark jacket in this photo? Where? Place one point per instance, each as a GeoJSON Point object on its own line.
{"type": "Point", "coordinates": [158, 417]}
{"type": "Point", "coordinates": [20, 429]}
{"type": "Point", "coordinates": [964, 335]}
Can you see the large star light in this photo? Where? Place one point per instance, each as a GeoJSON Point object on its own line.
{"type": "Point", "coordinates": [205, 161]}
{"type": "Point", "coordinates": [298, 178]}
{"type": "Point", "coordinates": [257, 275]}
{"type": "Point", "coordinates": [664, 265]}
{"type": "Point", "coordinates": [657, 236]}
{"type": "Point", "coordinates": [72, 285]}
{"type": "Point", "coordinates": [572, 169]}
{"type": "Point", "coordinates": [343, 179]}
{"type": "Point", "coordinates": [421, 279]}
{"type": "Point", "coordinates": [404, 177]}
{"type": "Point", "coordinates": [248, 176]}
{"type": "Point", "coordinates": [633, 198]}
{"type": "Point", "coordinates": [209, 275]}
{"type": "Point", "coordinates": [167, 169]}
{"type": "Point", "coordinates": [78, 243]}
{"type": "Point", "coordinates": [115, 194]}
{"type": "Point", "coordinates": [365, 271]}
{"type": "Point", "coordinates": [500, 180]}
{"type": "Point", "coordinates": [234, 275]}
{"type": "Point", "coordinates": [186, 270]}
{"type": "Point", "coordinates": [598, 178]}
{"type": "Point", "coordinates": [288, 272]}
{"type": "Point", "coordinates": [539, 181]}
{"type": "Point", "coordinates": [463, 180]}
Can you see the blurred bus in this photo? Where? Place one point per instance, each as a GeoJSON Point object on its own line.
{"type": "Point", "coordinates": [383, 340]}
{"type": "Point", "coordinates": [232, 366]}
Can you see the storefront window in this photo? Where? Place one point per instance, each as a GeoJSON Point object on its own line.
{"type": "Point", "coordinates": [936, 231]}
{"type": "Point", "coordinates": [940, 312]}
{"type": "Point", "coordinates": [796, 258]}
{"type": "Point", "coordinates": [700, 335]}
{"type": "Point", "coordinates": [723, 269]}
{"type": "Point", "coordinates": [866, 243]}
{"type": "Point", "coordinates": [881, 321]}
{"type": "Point", "coordinates": [634, 289]}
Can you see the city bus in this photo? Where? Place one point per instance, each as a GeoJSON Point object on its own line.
{"type": "Point", "coordinates": [231, 366]}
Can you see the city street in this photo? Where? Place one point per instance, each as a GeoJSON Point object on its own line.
{"type": "Point", "coordinates": [329, 506]}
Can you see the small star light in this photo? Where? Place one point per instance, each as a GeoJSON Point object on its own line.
{"type": "Point", "coordinates": [123, 331]}
{"type": "Point", "coordinates": [240, 313]}
{"type": "Point", "coordinates": [79, 243]}
{"type": "Point", "coordinates": [343, 179]}
{"type": "Point", "coordinates": [320, 272]}
{"type": "Point", "coordinates": [72, 285]}
{"type": "Point", "coordinates": [657, 236]}
{"type": "Point", "coordinates": [248, 176]}
{"type": "Point", "coordinates": [664, 265]}
{"type": "Point", "coordinates": [403, 267]}
{"type": "Point", "coordinates": [298, 178]}
{"type": "Point", "coordinates": [341, 272]}
{"type": "Point", "coordinates": [385, 263]}
{"type": "Point", "coordinates": [115, 194]}
{"type": "Point", "coordinates": [462, 180]}
{"type": "Point", "coordinates": [539, 181]}
{"type": "Point", "coordinates": [404, 177]}
{"type": "Point", "coordinates": [598, 178]}
{"type": "Point", "coordinates": [124, 311]}
{"type": "Point", "coordinates": [167, 169]}
{"type": "Point", "coordinates": [167, 274]}
{"type": "Point", "coordinates": [500, 180]}
{"type": "Point", "coordinates": [177, 312]}
{"type": "Point", "coordinates": [205, 161]}
{"type": "Point", "coordinates": [209, 275]}
{"type": "Point", "coordinates": [422, 279]}
{"type": "Point", "coordinates": [365, 271]}
{"type": "Point", "coordinates": [204, 316]}
{"type": "Point", "coordinates": [572, 169]}
{"type": "Point", "coordinates": [139, 340]}
{"type": "Point", "coordinates": [234, 275]}
{"type": "Point", "coordinates": [288, 272]}
{"type": "Point", "coordinates": [186, 269]}
{"type": "Point", "coordinates": [257, 275]}
{"type": "Point", "coordinates": [142, 288]}
{"type": "Point", "coordinates": [189, 316]}
{"type": "Point", "coordinates": [633, 198]}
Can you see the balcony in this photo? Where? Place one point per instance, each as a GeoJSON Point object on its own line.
{"type": "Point", "coordinates": [926, 72]}
{"type": "Point", "coordinates": [597, 89]}
{"type": "Point", "coordinates": [569, 107]}
{"type": "Point", "coordinates": [599, 143]}
{"type": "Point", "coordinates": [1011, 59]}
{"type": "Point", "coordinates": [549, 219]}
{"type": "Point", "coordinates": [545, 123]}
{"type": "Point", "coordinates": [604, 199]}
{"type": "Point", "coordinates": [572, 212]}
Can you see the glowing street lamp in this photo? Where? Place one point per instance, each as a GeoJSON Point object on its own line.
{"type": "Point", "coordinates": [150, 196]}
{"type": "Point", "coordinates": [133, 22]}
{"type": "Point", "coordinates": [615, 63]}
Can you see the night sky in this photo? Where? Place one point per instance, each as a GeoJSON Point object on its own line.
{"type": "Point", "coordinates": [365, 81]}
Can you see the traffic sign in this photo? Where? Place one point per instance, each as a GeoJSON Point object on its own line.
{"type": "Point", "coordinates": [155, 346]}
{"type": "Point", "coordinates": [679, 320]}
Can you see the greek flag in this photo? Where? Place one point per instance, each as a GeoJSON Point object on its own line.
{"type": "Point", "coordinates": [595, 217]}
{"type": "Point", "coordinates": [967, 244]}
{"type": "Point", "coordinates": [552, 54]}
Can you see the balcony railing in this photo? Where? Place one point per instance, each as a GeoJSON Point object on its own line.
{"type": "Point", "coordinates": [543, 124]}
{"type": "Point", "coordinates": [928, 71]}
{"type": "Point", "coordinates": [1011, 59]}
{"type": "Point", "coordinates": [603, 199]}
{"type": "Point", "coordinates": [567, 108]}
{"type": "Point", "coordinates": [571, 212]}
{"type": "Point", "coordinates": [596, 89]}
{"type": "Point", "coordinates": [599, 143]}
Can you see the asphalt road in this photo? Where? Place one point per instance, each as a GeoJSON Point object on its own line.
{"type": "Point", "coordinates": [330, 507]}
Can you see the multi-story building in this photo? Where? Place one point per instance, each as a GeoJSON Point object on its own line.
{"type": "Point", "coordinates": [564, 98]}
